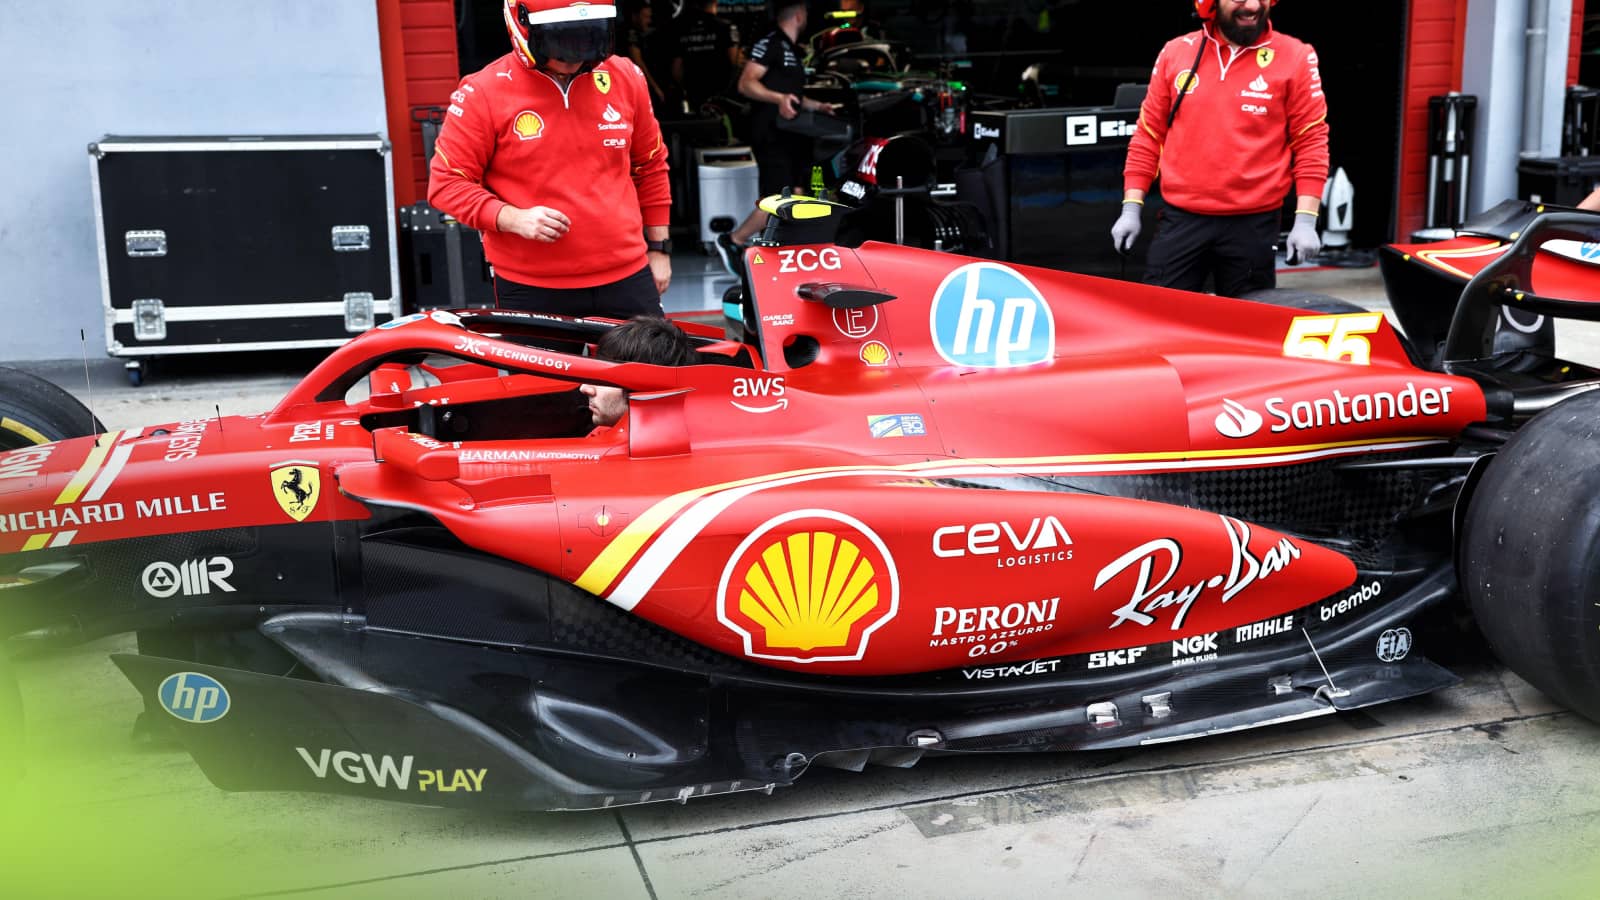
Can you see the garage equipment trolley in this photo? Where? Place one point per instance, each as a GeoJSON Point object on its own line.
{"type": "Point", "coordinates": [240, 242]}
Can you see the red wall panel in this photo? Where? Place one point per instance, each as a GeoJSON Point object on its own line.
{"type": "Point", "coordinates": [427, 71]}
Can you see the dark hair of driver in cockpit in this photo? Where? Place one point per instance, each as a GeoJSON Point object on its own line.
{"type": "Point", "coordinates": [646, 339]}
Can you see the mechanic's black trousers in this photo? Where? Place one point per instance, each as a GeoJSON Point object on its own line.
{"type": "Point", "coordinates": [623, 299]}
{"type": "Point", "coordinates": [1237, 251]}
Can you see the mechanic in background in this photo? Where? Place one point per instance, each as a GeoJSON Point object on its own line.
{"type": "Point", "coordinates": [706, 54]}
{"type": "Point", "coordinates": [1234, 115]}
{"type": "Point", "coordinates": [553, 153]}
{"type": "Point", "coordinates": [775, 80]}
{"type": "Point", "coordinates": [645, 339]}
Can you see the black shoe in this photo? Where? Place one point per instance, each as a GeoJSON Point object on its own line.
{"type": "Point", "coordinates": [732, 255]}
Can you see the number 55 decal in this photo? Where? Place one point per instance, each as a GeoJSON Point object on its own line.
{"type": "Point", "coordinates": [1333, 338]}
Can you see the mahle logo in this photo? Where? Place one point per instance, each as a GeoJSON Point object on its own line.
{"type": "Point", "coordinates": [988, 316]}
{"type": "Point", "coordinates": [193, 697]}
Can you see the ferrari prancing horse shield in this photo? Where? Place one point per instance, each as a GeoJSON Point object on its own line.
{"type": "Point", "coordinates": [298, 487]}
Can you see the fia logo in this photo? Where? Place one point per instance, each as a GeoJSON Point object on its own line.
{"type": "Point", "coordinates": [193, 697]}
{"type": "Point", "coordinates": [190, 578]}
{"type": "Point", "coordinates": [988, 316]}
{"type": "Point", "coordinates": [1394, 644]}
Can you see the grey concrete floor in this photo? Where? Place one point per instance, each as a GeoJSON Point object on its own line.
{"type": "Point", "coordinates": [1486, 789]}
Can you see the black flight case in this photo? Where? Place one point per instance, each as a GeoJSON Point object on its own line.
{"type": "Point", "coordinates": [242, 242]}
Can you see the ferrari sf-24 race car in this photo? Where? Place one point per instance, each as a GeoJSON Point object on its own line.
{"type": "Point", "coordinates": [915, 503]}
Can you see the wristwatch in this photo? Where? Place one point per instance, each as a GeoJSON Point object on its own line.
{"type": "Point", "coordinates": [659, 246]}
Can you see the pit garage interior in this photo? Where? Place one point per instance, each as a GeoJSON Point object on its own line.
{"type": "Point", "coordinates": [1486, 789]}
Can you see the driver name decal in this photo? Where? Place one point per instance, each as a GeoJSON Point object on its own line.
{"type": "Point", "coordinates": [989, 316]}
{"type": "Point", "coordinates": [808, 586]}
{"type": "Point", "coordinates": [1150, 596]}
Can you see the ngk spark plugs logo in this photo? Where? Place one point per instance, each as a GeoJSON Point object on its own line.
{"type": "Point", "coordinates": [988, 316]}
{"type": "Point", "coordinates": [1146, 574]}
{"type": "Point", "coordinates": [809, 586]}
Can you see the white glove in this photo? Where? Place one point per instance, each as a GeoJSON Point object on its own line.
{"type": "Point", "coordinates": [1304, 244]}
{"type": "Point", "coordinates": [1126, 229]}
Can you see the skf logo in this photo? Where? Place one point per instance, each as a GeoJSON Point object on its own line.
{"type": "Point", "coordinates": [1186, 81]}
{"type": "Point", "coordinates": [602, 82]}
{"type": "Point", "coordinates": [875, 353]}
{"type": "Point", "coordinates": [193, 697]}
{"type": "Point", "coordinates": [192, 578]}
{"type": "Point", "coordinates": [989, 316]}
{"type": "Point", "coordinates": [760, 388]}
{"type": "Point", "coordinates": [1110, 659]}
{"type": "Point", "coordinates": [808, 586]}
{"type": "Point", "coordinates": [809, 260]}
{"type": "Point", "coordinates": [1264, 57]}
{"type": "Point", "coordinates": [528, 125]}
{"type": "Point", "coordinates": [1333, 338]}
{"type": "Point", "coordinates": [297, 487]}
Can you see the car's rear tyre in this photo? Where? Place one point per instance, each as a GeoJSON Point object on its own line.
{"type": "Point", "coordinates": [34, 411]}
{"type": "Point", "coordinates": [1530, 553]}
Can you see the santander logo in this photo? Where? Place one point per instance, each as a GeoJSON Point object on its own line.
{"type": "Point", "coordinates": [1237, 421]}
{"type": "Point", "coordinates": [1260, 84]}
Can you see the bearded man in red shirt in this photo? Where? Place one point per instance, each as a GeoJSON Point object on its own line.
{"type": "Point", "coordinates": [554, 154]}
{"type": "Point", "coordinates": [1234, 115]}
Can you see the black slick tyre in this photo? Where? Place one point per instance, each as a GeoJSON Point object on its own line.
{"type": "Point", "coordinates": [34, 411]}
{"type": "Point", "coordinates": [1530, 553]}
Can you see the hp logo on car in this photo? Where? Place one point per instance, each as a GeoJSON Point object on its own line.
{"type": "Point", "coordinates": [193, 697]}
{"type": "Point", "coordinates": [988, 316]}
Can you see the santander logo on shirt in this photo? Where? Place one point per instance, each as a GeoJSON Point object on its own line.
{"type": "Point", "coordinates": [1257, 89]}
{"type": "Point", "coordinates": [613, 120]}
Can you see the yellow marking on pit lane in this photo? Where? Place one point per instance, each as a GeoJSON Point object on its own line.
{"type": "Point", "coordinates": [85, 474]}
{"type": "Point", "coordinates": [28, 434]}
{"type": "Point", "coordinates": [36, 542]}
{"type": "Point", "coordinates": [603, 572]}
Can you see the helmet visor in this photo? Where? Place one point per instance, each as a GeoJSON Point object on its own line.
{"type": "Point", "coordinates": [588, 41]}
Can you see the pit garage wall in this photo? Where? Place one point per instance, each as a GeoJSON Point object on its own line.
{"type": "Point", "coordinates": [1438, 47]}
{"type": "Point", "coordinates": [420, 68]}
{"type": "Point", "coordinates": [77, 71]}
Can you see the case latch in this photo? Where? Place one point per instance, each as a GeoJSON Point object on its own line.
{"type": "Point", "coordinates": [151, 242]}
{"type": "Point", "coordinates": [149, 320]}
{"type": "Point", "coordinates": [351, 238]}
{"type": "Point", "coordinates": [359, 311]}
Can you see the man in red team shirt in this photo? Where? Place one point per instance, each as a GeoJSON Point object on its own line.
{"type": "Point", "coordinates": [1251, 120]}
{"type": "Point", "coordinates": [553, 153]}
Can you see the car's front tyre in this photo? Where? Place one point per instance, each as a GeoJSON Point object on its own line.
{"type": "Point", "coordinates": [34, 411]}
{"type": "Point", "coordinates": [1530, 553]}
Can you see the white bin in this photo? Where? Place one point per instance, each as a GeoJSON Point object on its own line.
{"type": "Point", "coordinates": [728, 187]}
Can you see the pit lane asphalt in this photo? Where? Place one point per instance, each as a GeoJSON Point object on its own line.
{"type": "Point", "coordinates": [1484, 789]}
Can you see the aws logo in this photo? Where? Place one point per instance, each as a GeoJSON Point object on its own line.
{"type": "Point", "coordinates": [808, 586]}
{"type": "Point", "coordinates": [528, 125]}
{"type": "Point", "coordinates": [988, 316]}
{"type": "Point", "coordinates": [759, 389]}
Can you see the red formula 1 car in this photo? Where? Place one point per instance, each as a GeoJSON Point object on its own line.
{"type": "Point", "coordinates": [918, 503]}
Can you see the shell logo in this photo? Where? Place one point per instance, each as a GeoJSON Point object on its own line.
{"type": "Point", "coordinates": [528, 125]}
{"type": "Point", "coordinates": [809, 586]}
{"type": "Point", "coordinates": [875, 353]}
{"type": "Point", "coordinates": [1186, 81]}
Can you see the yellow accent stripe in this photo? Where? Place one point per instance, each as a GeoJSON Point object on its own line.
{"type": "Point", "coordinates": [1437, 257]}
{"type": "Point", "coordinates": [601, 573]}
{"type": "Point", "coordinates": [33, 437]}
{"type": "Point", "coordinates": [36, 542]}
{"type": "Point", "coordinates": [80, 481]}
{"type": "Point", "coordinates": [1310, 126]}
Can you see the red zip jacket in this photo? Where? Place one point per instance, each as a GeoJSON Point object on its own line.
{"type": "Point", "coordinates": [593, 152]}
{"type": "Point", "coordinates": [1254, 115]}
